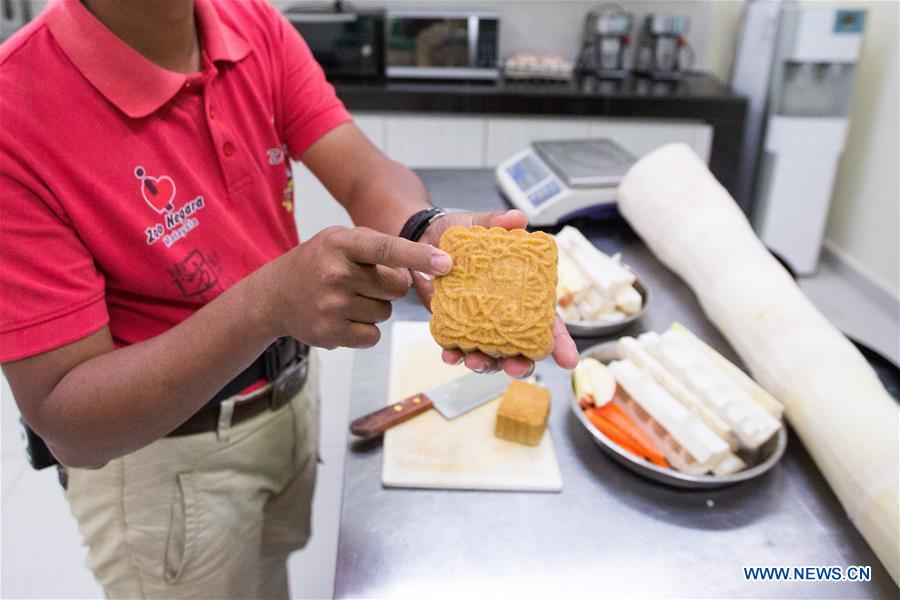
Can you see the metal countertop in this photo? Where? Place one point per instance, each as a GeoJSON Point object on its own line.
{"type": "Point", "coordinates": [609, 533]}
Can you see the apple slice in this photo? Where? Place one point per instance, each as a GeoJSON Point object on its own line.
{"type": "Point", "coordinates": [593, 380]}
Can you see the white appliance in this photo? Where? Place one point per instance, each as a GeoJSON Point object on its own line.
{"type": "Point", "coordinates": [796, 63]}
{"type": "Point", "coordinates": [556, 181]}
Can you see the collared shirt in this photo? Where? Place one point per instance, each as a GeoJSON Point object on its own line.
{"type": "Point", "coordinates": [131, 195]}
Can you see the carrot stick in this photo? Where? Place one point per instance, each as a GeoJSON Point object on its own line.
{"type": "Point", "coordinates": [624, 432]}
{"type": "Point", "coordinates": [612, 432]}
{"type": "Point", "coordinates": [613, 413]}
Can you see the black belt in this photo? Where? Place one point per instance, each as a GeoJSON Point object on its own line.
{"type": "Point", "coordinates": [285, 355]}
{"type": "Point", "coordinates": [285, 364]}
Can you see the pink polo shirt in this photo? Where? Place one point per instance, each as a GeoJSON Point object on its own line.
{"type": "Point", "coordinates": [131, 195]}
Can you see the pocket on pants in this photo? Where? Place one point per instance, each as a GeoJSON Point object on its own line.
{"type": "Point", "coordinates": [162, 524]}
{"type": "Point", "coordinates": [183, 528]}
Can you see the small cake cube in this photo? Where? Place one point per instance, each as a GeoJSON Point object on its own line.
{"type": "Point", "coordinates": [523, 412]}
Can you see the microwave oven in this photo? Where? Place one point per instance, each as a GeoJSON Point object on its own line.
{"type": "Point", "coordinates": [347, 44]}
{"type": "Point", "coordinates": [442, 45]}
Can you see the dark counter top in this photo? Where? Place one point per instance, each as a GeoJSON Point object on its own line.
{"type": "Point", "coordinates": [597, 95]}
{"type": "Point", "coordinates": [609, 533]}
{"type": "Point", "coordinates": [696, 97]}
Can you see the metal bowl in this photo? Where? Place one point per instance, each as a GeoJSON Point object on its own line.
{"type": "Point", "coordinates": [762, 460]}
{"type": "Point", "coordinates": [599, 328]}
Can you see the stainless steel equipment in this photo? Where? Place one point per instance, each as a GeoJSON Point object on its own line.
{"type": "Point", "coordinates": [442, 45]}
{"type": "Point", "coordinates": [663, 51]}
{"type": "Point", "coordinates": [606, 36]}
{"type": "Point", "coordinates": [346, 43]}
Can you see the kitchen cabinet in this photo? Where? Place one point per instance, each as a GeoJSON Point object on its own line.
{"type": "Point", "coordinates": [641, 136]}
{"type": "Point", "coordinates": [697, 98]}
{"type": "Point", "coordinates": [508, 135]}
{"type": "Point", "coordinates": [444, 141]}
{"type": "Point", "coordinates": [374, 128]}
{"type": "Point", "coordinates": [314, 206]}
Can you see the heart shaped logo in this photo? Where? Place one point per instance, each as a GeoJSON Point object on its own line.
{"type": "Point", "coordinates": [158, 192]}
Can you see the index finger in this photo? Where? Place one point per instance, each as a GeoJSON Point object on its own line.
{"type": "Point", "coordinates": [370, 247]}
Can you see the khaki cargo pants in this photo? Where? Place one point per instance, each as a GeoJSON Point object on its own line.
{"type": "Point", "coordinates": [210, 515]}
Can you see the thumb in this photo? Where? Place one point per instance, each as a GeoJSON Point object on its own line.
{"type": "Point", "coordinates": [510, 219]}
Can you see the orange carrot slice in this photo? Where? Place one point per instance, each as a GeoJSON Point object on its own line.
{"type": "Point", "coordinates": [618, 417]}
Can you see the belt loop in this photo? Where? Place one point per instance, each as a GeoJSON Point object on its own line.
{"type": "Point", "coordinates": [226, 410]}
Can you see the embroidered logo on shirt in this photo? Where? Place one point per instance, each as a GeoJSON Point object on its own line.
{"type": "Point", "coordinates": [159, 194]}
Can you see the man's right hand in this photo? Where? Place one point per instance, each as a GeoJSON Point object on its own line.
{"type": "Point", "coordinates": [331, 290]}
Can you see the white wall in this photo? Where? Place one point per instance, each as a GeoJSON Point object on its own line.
{"type": "Point", "coordinates": [864, 225]}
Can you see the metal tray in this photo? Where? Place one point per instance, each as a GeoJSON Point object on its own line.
{"type": "Point", "coordinates": [600, 329]}
{"type": "Point", "coordinates": [766, 457]}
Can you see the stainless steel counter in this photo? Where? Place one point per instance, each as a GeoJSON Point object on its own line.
{"type": "Point", "coordinates": [609, 533]}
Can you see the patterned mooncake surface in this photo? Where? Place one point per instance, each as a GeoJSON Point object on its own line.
{"type": "Point", "coordinates": [500, 296]}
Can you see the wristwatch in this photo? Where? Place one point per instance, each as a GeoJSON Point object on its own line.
{"type": "Point", "coordinates": [416, 225]}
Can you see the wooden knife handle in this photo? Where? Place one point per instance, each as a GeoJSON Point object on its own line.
{"type": "Point", "coordinates": [374, 424]}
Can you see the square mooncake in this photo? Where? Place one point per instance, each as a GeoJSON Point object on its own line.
{"type": "Point", "coordinates": [523, 412]}
{"type": "Point", "coordinates": [500, 296]}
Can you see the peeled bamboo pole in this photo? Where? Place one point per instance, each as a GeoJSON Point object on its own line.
{"type": "Point", "coordinates": [832, 397]}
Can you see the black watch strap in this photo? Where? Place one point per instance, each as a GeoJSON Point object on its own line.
{"type": "Point", "coordinates": [416, 225]}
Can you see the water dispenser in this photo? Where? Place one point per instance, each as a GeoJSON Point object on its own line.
{"type": "Point", "coordinates": [796, 62]}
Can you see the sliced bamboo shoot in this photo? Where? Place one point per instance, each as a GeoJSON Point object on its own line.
{"type": "Point", "coordinates": [633, 350]}
{"type": "Point", "coordinates": [706, 448]}
{"type": "Point", "coordinates": [762, 397]}
{"type": "Point", "coordinates": [752, 425]}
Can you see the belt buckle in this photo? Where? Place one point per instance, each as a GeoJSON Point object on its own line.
{"type": "Point", "coordinates": [287, 379]}
{"type": "Point", "coordinates": [288, 383]}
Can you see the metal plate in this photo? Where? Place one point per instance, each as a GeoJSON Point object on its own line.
{"type": "Point", "coordinates": [770, 453]}
{"type": "Point", "coordinates": [586, 163]}
{"type": "Point", "coordinates": [600, 329]}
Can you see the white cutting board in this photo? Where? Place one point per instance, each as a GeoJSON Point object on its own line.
{"type": "Point", "coordinates": [429, 451]}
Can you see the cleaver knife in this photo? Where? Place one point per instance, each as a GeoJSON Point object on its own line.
{"type": "Point", "coordinates": [451, 400]}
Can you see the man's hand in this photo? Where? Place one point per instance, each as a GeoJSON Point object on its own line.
{"type": "Point", "coordinates": [331, 290]}
{"type": "Point", "coordinates": [564, 351]}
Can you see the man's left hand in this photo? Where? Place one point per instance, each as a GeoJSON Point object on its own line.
{"type": "Point", "coordinates": [564, 351]}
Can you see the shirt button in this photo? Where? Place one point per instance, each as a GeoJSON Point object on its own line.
{"type": "Point", "coordinates": [212, 112]}
{"type": "Point", "coordinates": [228, 148]}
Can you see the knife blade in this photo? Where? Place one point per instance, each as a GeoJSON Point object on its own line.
{"type": "Point", "coordinates": [451, 400]}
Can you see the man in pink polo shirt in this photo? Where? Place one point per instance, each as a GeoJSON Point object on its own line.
{"type": "Point", "coordinates": [157, 306]}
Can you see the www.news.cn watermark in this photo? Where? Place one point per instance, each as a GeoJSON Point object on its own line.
{"type": "Point", "coordinates": [809, 573]}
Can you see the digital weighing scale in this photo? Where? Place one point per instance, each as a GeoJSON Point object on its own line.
{"type": "Point", "coordinates": [557, 181]}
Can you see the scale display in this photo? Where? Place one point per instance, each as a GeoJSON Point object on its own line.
{"type": "Point", "coordinates": [534, 179]}
{"type": "Point", "coordinates": [554, 181]}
